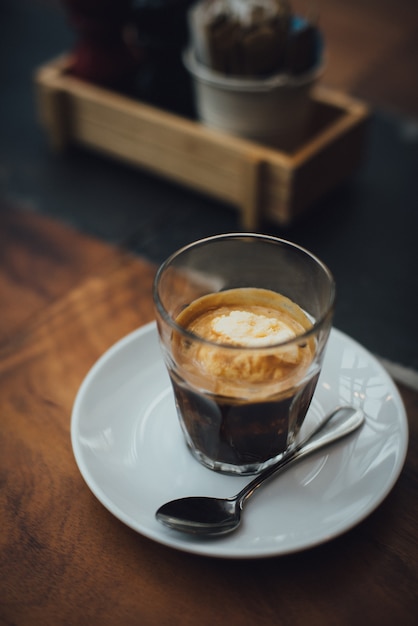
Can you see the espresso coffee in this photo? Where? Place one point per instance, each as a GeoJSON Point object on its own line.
{"type": "Point", "coordinates": [247, 383]}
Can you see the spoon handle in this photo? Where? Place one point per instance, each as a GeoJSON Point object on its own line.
{"type": "Point", "coordinates": [338, 424]}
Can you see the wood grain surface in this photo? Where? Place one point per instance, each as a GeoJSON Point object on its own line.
{"type": "Point", "coordinates": [64, 559]}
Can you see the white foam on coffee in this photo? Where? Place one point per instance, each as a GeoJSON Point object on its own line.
{"type": "Point", "coordinates": [252, 330]}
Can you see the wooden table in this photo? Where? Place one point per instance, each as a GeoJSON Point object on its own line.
{"type": "Point", "coordinates": [66, 298]}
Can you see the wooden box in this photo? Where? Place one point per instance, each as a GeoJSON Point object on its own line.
{"type": "Point", "coordinates": [256, 179]}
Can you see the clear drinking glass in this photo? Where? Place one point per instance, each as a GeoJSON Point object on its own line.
{"type": "Point", "coordinates": [243, 320]}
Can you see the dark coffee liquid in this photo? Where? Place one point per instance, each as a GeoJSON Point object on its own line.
{"type": "Point", "coordinates": [241, 406]}
{"type": "Point", "coordinates": [241, 433]}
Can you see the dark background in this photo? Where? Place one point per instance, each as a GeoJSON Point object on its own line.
{"type": "Point", "coordinates": [366, 230]}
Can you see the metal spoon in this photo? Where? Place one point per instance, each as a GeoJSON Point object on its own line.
{"type": "Point", "coordinates": [217, 516]}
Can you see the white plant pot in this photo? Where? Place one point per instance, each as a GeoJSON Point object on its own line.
{"type": "Point", "coordinates": [273, 110]}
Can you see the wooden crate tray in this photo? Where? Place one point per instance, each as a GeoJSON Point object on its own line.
{"type": "Point", "coordinates": [256, 179]}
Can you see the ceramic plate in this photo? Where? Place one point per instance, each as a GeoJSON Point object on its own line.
{"type": "Point", "coordinates": [130, 450]}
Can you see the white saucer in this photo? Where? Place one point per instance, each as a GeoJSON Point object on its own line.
{"type": "Point", "coordinates": [130, 450]}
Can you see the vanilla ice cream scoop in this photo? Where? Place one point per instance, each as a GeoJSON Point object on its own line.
{"type": "Point", "coordinates": [250, 330]}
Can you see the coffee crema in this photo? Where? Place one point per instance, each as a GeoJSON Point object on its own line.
{"type": "Point", "coordinates": [239, 391]}
{"type": "Point", "coordinates": [244, 328]}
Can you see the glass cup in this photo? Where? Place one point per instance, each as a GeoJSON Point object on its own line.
{"type": "Point", "coordinates": [243, 321]}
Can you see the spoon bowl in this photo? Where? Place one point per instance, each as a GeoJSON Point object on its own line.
{"type": "Point", "coordinates": [200, 515]}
